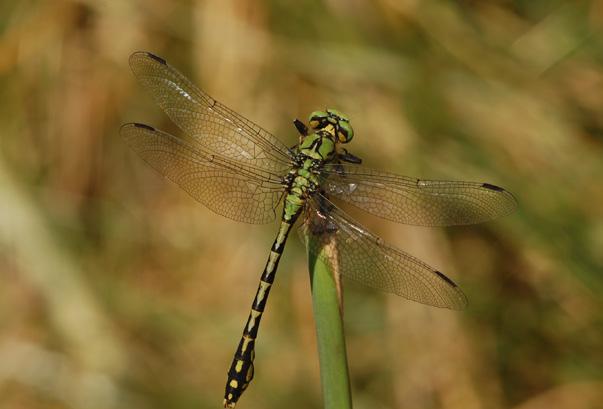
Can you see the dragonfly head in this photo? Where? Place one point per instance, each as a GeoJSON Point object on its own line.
{"type": "Point", "coordinates": [337, 121]}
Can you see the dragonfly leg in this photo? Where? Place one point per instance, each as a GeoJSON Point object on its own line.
{"type": "Point", "coordinates": [348, 157]}
{"type": "Point", "coordinates": [301, 127]}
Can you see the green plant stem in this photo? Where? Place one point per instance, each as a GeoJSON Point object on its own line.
{"type": "Point", "coordinates": [328, 315]}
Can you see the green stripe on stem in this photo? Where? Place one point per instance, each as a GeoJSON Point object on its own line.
{"type": "Point", "coordinates": [327, 306]}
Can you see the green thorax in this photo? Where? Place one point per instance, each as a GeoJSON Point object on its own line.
{"type": "Point", "coordinates": [329, 128]}
{"type": "Point", "coordinates": [318, 145]}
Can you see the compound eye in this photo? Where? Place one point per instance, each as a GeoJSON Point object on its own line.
{"type": "Point", "coordinates": [337, 114]}
{"type": "Point", "coordinates": [318, 119]}
{"type": "Point", "coordinates": [345, 133]}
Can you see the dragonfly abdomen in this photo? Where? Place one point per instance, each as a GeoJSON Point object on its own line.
{"type": "Point", "coordinates": [241, 370]}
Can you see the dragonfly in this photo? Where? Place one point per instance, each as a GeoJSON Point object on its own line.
{"type": "Point", "coordinates": [243, 172]}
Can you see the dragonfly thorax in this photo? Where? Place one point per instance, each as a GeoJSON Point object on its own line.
{"type": "Point", "coordinates": [318, 146]}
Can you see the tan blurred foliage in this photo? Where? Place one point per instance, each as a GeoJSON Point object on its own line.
{"type": "Point", "coordinates": [118, 291]}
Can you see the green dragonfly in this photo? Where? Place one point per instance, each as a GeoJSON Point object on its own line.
{"type": "Point", "coordinates": [243, 172]}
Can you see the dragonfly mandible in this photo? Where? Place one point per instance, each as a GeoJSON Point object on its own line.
{"type": "Point", "coordinates": [241, 171]}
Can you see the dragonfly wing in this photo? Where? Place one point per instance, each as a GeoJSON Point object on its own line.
{"type": "Point", "coordinates": [210, 123]}
{"type": "Point", "coordinates": [417, 201]}
{"type": "Point", "coordinates": [349, 249]}
{"type": "Point", "coordinates": [234, 190]}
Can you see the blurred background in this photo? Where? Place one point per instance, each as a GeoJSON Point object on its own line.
{"type": "Point", "coordinates": [117, 290]}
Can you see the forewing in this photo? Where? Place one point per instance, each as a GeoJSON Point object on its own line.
{"type": "Point", "coordinates": [238, 191]}
{"type": "Point", "coordinates": [417, 201]}
{"type": "Point", "coordinates": [350, 250]}
{"type": "Point", "coordinates": [210, 123]}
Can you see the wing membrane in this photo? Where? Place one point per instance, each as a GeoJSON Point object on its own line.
{"type": "Point", "coordinates": [210, 123]}
{"type": "Point", "coordinates": [417, 201]}
{"type": "Point", "coordinates": [237, 191]}
{"type": "Point", "coordinates": [356, 254]}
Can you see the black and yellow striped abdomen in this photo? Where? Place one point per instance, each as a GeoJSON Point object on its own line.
{"type": "Point", "coordinates": [302, 182]}
{"type": "Point", "coordinates": [241, 369]}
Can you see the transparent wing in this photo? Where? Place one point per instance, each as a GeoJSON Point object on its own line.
{"type": "Point", "coordinates": [417, 201]}
{"type": "Point", "coordinates": [331, 235]}
{"type": "Point", "coordinates": [210, 123]}
{"type": "Point", "coordinates": [238, 191]}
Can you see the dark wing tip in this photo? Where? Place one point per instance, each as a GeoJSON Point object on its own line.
{"type": "Point", "coordinates": [511, 201]}
{"type": "Point", "coordinates": [145, 55]}
{"type": "Point", "coordinates": [445, 278]}
{"type": "Point", "coordinates": [156, 58]}
{"type": "Point", "coordinates": [493, 187]}
{"type": "Point", "coordinates": [124, 128]}
{"type": "Point", "coordinates": [460, 301]}
{"type": "Point", "coordinates": [143, 126]}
